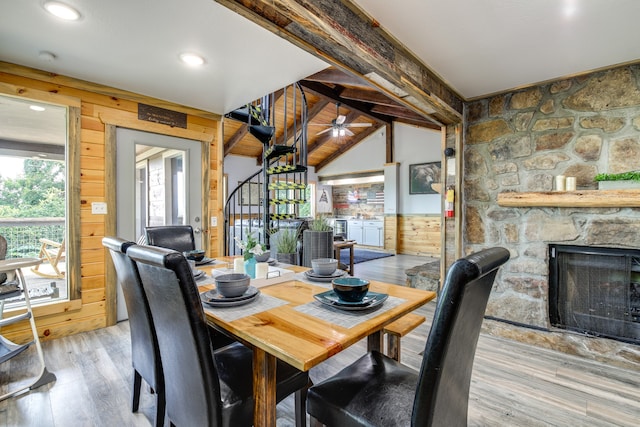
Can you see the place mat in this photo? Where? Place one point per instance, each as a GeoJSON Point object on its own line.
{"type": "Point", "coordinates": [346, 319]}
{"type": "Point", "coordinates": [284, 276]}
{"type": "Point", "coordinates": [261, 303]}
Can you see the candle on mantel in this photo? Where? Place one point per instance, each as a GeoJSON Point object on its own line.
{"type": "Point", "coordinates": [238, 265]}
{"type": "Point", "coordinates": [262, 268]}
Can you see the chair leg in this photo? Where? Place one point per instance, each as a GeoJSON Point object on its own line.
{"type": "Point", "coordinates": [161, 406]}
{"type": "Point", "coordinates": [137, 385]}
{"type": "Point", "coordinates": [301, 405]}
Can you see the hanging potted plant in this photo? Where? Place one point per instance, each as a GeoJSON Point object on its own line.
{"type": "Point", "coordinates": [617, 181]}
{"type": "Point", "coordinates": [317, 241]}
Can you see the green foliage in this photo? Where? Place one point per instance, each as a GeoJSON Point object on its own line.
{"type": "Point", "coordinates": [287, 241]}
{"type": "Point", "coordinates": [625, 176]}
{"type": "Point", "coordinates": [319, 224]}
{"type": "Point", "coordinates": [39, 193]}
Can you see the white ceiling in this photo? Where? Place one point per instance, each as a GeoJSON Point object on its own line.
{"type": "Point", "coordinates": [478, 47]}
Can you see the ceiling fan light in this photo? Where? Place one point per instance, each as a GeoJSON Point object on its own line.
{"type": "Point", "coordinates": [342, 132]}
{"type": "Point", "coordinates": [334, 132]}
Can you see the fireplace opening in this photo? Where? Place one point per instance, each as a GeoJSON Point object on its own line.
{"type": "Point", "coordinates": [595, 291]}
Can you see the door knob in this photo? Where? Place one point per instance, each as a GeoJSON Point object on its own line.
{"type": "Point", "coordinates": [197, 230]}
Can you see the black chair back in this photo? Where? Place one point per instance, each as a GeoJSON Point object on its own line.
{"type": "Point", "coordinates": [442, 396]}
{"type": "Point", "coordinates": [145, 354]}
{"type": "Point", "coordinates": [177, 237]}
{"type": "Point", "coordinates": [187, 354]}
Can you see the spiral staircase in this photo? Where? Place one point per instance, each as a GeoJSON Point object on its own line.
{"type": "Point", "coordinates": [270, 198]}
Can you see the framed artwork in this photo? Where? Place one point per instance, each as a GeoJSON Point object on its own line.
{"type": "Point", "coordinates": [422, 175]}
{"type": "Point", "coordinates": [251, 194]}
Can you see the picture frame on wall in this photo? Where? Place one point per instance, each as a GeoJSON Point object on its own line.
{"type": "Point", "coordinates": [422, 176]}
{"type": "Point", "coordinates": [251, 194]}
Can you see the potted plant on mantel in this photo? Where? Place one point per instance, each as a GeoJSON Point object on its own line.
{"type": "Point", "coordinates": [317, 241]}
{"type": "Point", "coordinates": [618, 181]}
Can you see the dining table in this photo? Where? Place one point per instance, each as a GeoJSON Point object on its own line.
{"type": "Point", "coordinates": [286, 322]}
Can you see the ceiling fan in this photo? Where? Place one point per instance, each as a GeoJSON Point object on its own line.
{"type": "Point", "coordinates": [338, 127]}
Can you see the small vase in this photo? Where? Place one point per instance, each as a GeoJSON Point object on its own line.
{"type": "Point", "coordinates": [250, 267]}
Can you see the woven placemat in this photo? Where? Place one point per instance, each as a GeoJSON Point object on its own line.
{"type": "Point", "coordinates": [261, 303]}
{"type": "Point", "coordinates": [347, 319]}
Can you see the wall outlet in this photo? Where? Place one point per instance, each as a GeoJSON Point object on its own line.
{"type": "Point", "coordinates": [98, 208]}
{"type": "Point", "coordinates": [214, 221]}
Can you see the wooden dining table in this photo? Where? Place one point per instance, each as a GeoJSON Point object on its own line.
{"type": "Point", "coordinates": [290, 333]}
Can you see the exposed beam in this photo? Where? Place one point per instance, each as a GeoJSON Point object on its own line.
{"type": "Point", "coordinates": [346, 147]}
{"type": "Point", "coordinates": [368, 95]}
{"type": "Point", "coordinates": [419, 123]}
{"type": "Point", "coordinates": [396, 112]}
{"type": "Point", "coordinates": [342, 34]}
{"type": "Point", "coordinates": [335, 76]}
{"type": "Point", "coordinates": [236, 138]}
{"type": "Point", "coordinates": [333, 95]}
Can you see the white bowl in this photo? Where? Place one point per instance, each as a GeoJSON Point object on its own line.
{"type": "Point", "coordinates": [324, 266]}
{"type": "Point", "coordinates": [232, 285]}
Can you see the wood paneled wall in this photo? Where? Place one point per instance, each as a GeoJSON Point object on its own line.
{"type": "Point", "coordinates": [103, 107]}
{"type": "Point", "coordinates": [418, 235]}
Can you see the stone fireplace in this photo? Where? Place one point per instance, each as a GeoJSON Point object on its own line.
{"type": "Point", "coordinates": [517, 143]}
{"type": "Point", "coordinates": [595, 291]}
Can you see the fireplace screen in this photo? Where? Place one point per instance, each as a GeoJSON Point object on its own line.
{"type": "Point", "coordinates": [595, 291]}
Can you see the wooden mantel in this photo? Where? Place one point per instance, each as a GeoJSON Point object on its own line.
{"type": "Point", "coordinates": [572, 199]}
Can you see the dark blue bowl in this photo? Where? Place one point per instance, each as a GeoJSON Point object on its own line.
{"type": "Point", "coordinates": [195, 255]}
{"type": "Point", "coordinates": [350, 289]}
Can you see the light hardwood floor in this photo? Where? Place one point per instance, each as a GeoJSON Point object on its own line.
{"type": "Point", "coordinates": [513, 384]}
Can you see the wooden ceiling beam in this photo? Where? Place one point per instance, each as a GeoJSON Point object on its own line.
{"type": "Point", "coordinates": [368, 95]}
{"type": "Point", "coordinates": [236, 138]}
{"type": "Point", "coordinates": [335, 76]}
{"type": "Point", "coordinates": [396, 112]}
{"type": "Point", "coordinates": [333, 95]}
{"type": "Point", "coordinates": [342, 34]}
{"type": "Point", "coordinates": [346, 147]}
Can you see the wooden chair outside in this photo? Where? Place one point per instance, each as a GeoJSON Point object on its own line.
{"type": "Point", "coordinates": [51, 252]}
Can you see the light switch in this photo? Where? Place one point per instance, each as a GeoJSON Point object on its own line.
{"type": "Point", "coordinates": [214, 221]}
{"type": "Point", "coordinates": [98, 208]}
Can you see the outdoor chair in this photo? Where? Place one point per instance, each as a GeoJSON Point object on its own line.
{"type": "Point", "coordinates": [376, 390]}
{"type": "Point", "coordinates": [53, 253]}
{"type": "Point", "coordinates": [204, 387]}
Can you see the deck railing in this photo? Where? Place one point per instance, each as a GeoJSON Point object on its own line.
{"type": "Point", "coordinates": [23, 234]}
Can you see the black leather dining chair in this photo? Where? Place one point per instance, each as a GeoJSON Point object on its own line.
{"type": "Point", "coordinates": [203, 387]}
{"type": "Point", "coordinates": [145, 354]}
{"type": "Point", "coordinates": [177, 237]}
{"type": "Point", "coordinates": [376, 390]}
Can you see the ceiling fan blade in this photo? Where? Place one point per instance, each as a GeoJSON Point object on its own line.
{"type": "Point", "coordinates": [323, 131]}
{"type": "Point", "coordinates": [348, 132]}
{"type": "Point", "coordinates": [340, 119]}
{"type": "Point", "coordinates": [320, 124]}
{"type": "Point", "coordinates": [358, 125]}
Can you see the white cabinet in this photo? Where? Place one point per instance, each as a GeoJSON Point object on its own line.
{"type": "Point", "coordinates": [373, 233]}
{"type": "Point", "coordinates": [354, 230]}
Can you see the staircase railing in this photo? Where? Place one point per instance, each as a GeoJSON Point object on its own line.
{"type": "Point", "coordinates": [282, 181]}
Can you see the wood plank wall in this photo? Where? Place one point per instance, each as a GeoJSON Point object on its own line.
{"type": "Point", "coordinates": [102, 106]}
{"type": "Point", "coordinates": [418, 235]}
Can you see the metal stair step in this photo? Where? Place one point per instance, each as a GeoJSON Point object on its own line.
{"type": "Point", "coordinates": [248, 114]}
{"type": "Point", "coordinates": [275, 170]}
{"type": "Point", "coordinates": [276, 151]}
{"type": "Point", "coordinates": [274, 217]}
{"type": "Point", "coordinates": [287, 201]}
{"type": "Point", "coordinates": [283, 185]}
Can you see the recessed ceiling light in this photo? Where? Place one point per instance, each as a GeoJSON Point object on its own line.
{"type": "Point", "coordinates": [62, 10]}
{"type": "Point", "coordinates": [191, 59]}
{"type": "Point", "coordinates": [36, 108]}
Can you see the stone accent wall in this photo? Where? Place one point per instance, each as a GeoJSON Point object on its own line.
{"type": "Point", "coordinates": [519, 141]}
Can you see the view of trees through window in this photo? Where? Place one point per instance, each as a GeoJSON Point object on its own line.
{"type": "Point", "coordinates": [36, 192]}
